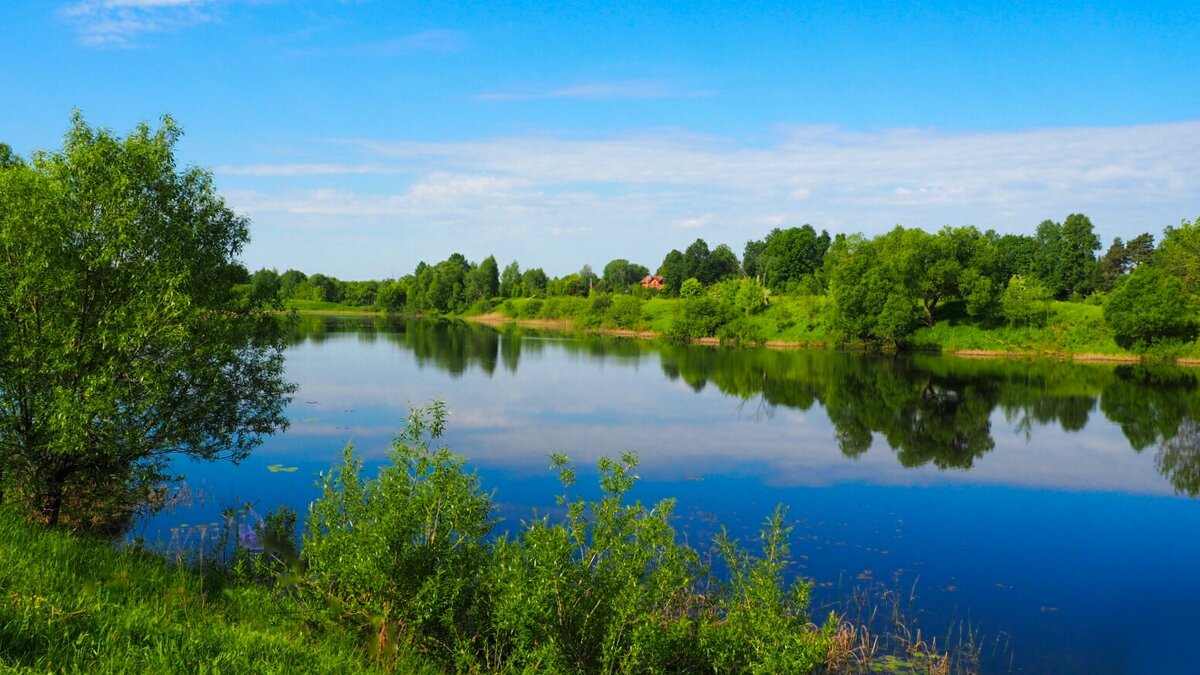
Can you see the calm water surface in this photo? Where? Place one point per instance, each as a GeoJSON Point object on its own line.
{"type": "Point", "coordinates": [1045, 507]}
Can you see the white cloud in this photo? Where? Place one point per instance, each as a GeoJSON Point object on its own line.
{"type": "Point", "coordinates": [697, 222]}
{"type": "Point", "coordinates": [598, 91]}
{"type": "Point", "coordinates": [435, 41]}
{"type": "Point", "coordinates": [611, 197]}
{"type": "Point", "coordinates": [314, 169]}
{"type": "Point", "coordinates": [119, 23]}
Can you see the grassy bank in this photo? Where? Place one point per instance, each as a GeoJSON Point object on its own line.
{"type": "Point", "coordinates": [403, 573]}
{"type": "Point", "coordinates": [1069, 330]}
{"type": "Point", "coordinates": [322, 307]}
{"type": "Point", "coordinates": [71, 604]}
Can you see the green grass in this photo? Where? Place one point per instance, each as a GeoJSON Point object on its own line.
{"type": "Point", "coordinates": [1071, 328]}
{"type": "Point", "coordinates": [322, 306]}
{"type": "Point", "coordinates": [70, 604]}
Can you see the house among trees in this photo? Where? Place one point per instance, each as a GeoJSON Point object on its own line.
{"type": "Point", "coordinates": [654, 281]}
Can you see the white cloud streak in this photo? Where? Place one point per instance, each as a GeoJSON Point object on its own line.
{"type": "Point", "coordinates": [598, 91]}
{"type": "Point", "coordinates": [119, 23]}
{"type": "Point", "coordinates": [434, 41]}
{"type": "Point", "coordinates": [637, 195]}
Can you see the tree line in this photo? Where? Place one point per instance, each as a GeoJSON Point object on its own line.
{"type": "Point", "coordinates": [880, 289]}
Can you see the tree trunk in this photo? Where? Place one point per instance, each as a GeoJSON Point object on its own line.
{"type": "Point", "coordinates": [52, 496]}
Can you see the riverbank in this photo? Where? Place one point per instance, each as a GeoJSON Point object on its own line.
{"type": "Point", "coordinates": [496, 320]}
{"type": "Point", "coordinates": [72, 604]}
{"type": "Point", "coordinates": [1073, 331]}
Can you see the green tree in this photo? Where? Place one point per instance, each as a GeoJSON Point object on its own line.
{"type": "Point", "coordinates": [1066, 256]}
{"type": "Point", "coordinates": [1015, 254]}
{"type": "Point", "coordinates": [324, 289]}
{"type": "Point", "coordinates": [265, 286]}
{"type": "Point", "coordinates": [1140, 249]}
{"type": "Point", "coordinates": [752, 259]}
{"type": "Point", "coordinates": [393, 296]}
{"type": "Point", "coordinates": [619, 274]}
{"type": "Point", "coordinates": [510, 280]}
{"type": "Point", "coordinates": [288, 282]}
{"type": "Point", "coordinates": [792, 253]}
{"type": "Point", "coordinates": [1148, 308]}
{"type": "Point", "coordinates": [674, 270]}
{"type": "Point", "coordinates": [1179, 255]}
{"type": "Point", "coordinates": [8, 158]}
{"type": "Point", "coordinates": [694, 258]}
{"type": "Point", "coordinates": [1113, 264]}
{"type": "Point", "coordinates": [123, 341]}
{"type": "Point", "coordinates": [487, 278]}
{"type": "Point", "coordinates": [871, 290]}
{"type": "Point", "coordinates": [722, 263]}
{"type": "Point", "coordinates": [534, 281]}
{"type": "Point", "coordinates": [1025, 301]}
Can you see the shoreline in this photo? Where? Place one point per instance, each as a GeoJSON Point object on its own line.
{"type": "Point", "coordinates": [495, 319]}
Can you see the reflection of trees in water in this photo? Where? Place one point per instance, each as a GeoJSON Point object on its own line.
{"type": "Point", "coordinates": [1150, 402]}
{"type": "Point", "coordinates": [925, 417]}
{"type": "Point", "coordinates": [1179, 459]}
{"type": "Point", "coordinates": [934, 410]}
{"type": "Point", "coordinates": [930, 410]}
{"type": "Point", "coordinates": [453, 346]}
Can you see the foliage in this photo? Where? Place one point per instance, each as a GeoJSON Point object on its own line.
{"type": "Point", "coordinates": [1025, 302]}
{"type": "Point", "coordinates": [698, 317]}
{"type": "Point", "coordinates": [742, 331]}
{"type": "Point", "coordinates": [625, 311]}
{"type": "Point", "coordinates": [1065, 260]}
{"type": "Point", "coordinates": [125, 341]}
{"type": "Point", "coordinates": [620, 274]}
{"type": "Point", "coordinates": [604, 588]}
{"type": "Point", "coordinates": [486, 279]}
{"type": "Point", "coordinates": [1179, 255]}
{"type": "Point", "coordinates": [786, 256]}
{"type": "Point", "coordinates": [533, 282]}
{"type": "Point", "coordinates": [870, 293]}
{"type": "Point", "coordinates": [401, 551]}
{"type": "Point", "coordinates": [707, 267]}
{"type": "Point", "coordinates": [510, 280]}
{"type": "Point", "coordinates": [691, 288]}
{"type": "Point", "coordinates": [73, 604]}
{"type": "Point", "coordinates": [1150, 307]}
{"type": "Point", "coordinates": [953, 288]}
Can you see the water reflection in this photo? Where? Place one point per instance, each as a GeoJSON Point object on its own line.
{"type": "Point", "coordinates": [929, 411]}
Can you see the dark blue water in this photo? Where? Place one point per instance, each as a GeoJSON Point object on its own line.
{"type": "Point", "coordinates": [1041, 510]}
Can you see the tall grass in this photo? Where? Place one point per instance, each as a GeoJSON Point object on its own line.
{"type": "Point", "coordinates": [69, 604]}
{"type": "Point", "coordinates": [402, 573]}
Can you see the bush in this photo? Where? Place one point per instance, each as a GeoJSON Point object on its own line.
{"type": "Point", "coordinates": [697, 317]}
{"type": "Point", "coordinates": [564, 307]}
{"type": "Point", "coordinates": [531, 308]}
{"type": "Point", "coordinates": [625, 312]}
{"type": "Point", "coordinates": [401, 552]}
{"type": "Point", "coordinates": [741, 331]}
{"type": "Point", "coordinates": [1149, 307]}
{"type": "Point", "coordinates": [1025, 302]}
{"type": "Point", "coordinates": [597, 308]}
{"type": "Point", "coordinates": [604, 588]}
{"type": "Point", "coordinates": [480, 306]}
{"type": "Point", "coordinates": [691, 288]}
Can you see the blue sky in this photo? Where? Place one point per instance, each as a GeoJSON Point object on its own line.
{"type": "Point", "coordinates": [362, 137]}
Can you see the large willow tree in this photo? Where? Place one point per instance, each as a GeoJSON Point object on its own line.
{"type": "Point", "coordinates": [125, 343]}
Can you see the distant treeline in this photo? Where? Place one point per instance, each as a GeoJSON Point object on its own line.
{"type": "Point", "coordinates": [880, 289]}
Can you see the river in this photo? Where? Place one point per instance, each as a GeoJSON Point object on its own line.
{"type": "Point", "coordinates": [1043, 510]}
